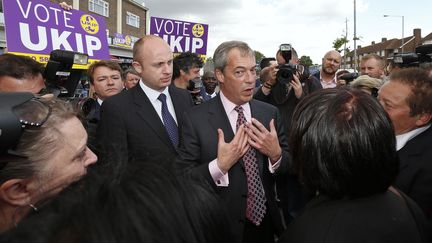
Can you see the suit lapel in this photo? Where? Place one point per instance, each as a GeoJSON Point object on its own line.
{"type": "Point", "coordinates": [414, 148]}
{"type": "Point", "coordinates": [178, 103]}
{"type": "Point", "coordinates": [147, 112]}
{"type": "Point", "coordinates": [219, 119]}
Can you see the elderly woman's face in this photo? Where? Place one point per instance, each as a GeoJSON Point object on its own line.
{"type": "Point", "coordinates": [70, 162]}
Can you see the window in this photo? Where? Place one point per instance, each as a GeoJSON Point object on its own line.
{"type": "Point", "coordinates": [99, 6]}
{"type": "Point", "coordinates": [132, 19]}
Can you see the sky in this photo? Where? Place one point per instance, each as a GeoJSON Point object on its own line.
{"type": "Point", "coordinates": [310, 26]}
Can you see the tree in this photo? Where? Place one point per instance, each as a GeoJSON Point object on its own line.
{"type": "Point", "coordinates": [339, 43]}
{"type": "Point", "coordinates": [306, 61]}
{"type": "Point", "coordinates": [209, 65]}
{"type": "Point", "coordinates": [258, 56]}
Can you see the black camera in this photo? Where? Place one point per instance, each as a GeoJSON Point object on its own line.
{"type": "Point", "coordinates": [194, 88]}
{"type": "Point", "coordinates": [62, 80]}
{"type": "Point", "coordinates": [286, 73]}
{"type": "Point", "coordinates": [348, 77]}
{"type": "Point", "coordinates": [421, 57]}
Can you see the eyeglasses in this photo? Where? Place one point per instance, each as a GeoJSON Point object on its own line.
{"type": "Point", "coordinates": [210, 78]}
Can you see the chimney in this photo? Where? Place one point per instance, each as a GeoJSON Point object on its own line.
{"type": "Point", "coordinates": [417, 37]}
{"type": "Point", "coordinates": [383, 39]}
{"type": "Point", "coordinates": [373, 43]}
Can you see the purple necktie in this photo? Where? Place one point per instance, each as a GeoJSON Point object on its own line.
{"type": "Point", "coordinates": [169, 122]}
{"type": "Point", "coordinates": [256, 199]}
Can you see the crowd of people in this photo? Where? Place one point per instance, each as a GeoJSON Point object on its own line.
{"type": "Point", "coordinates": [223, 157]}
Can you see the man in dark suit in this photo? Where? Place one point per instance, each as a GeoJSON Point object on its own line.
{"type": "Point", "coordinates": [407, 99]}
{"type": "Point", "coordinates": [106, 80]}
{"type": "Point", "coordinates": [142, 122]}
{"type": "Point", "coordinates": [237, 145]}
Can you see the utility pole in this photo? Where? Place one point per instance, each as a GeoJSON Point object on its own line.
{"type": "Point", "coordinates": [355, 37]}
{"type": "Point", "coordinates": [346, 38]}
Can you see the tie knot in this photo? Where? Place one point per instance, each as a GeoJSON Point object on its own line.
{"type": "Point", "coordinates": [239, 109]}
{"type": "Point", "coordinates": [162, 98]}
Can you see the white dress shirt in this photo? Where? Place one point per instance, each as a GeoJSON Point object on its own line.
{"type": "Point", "coordinates": [157, 104]}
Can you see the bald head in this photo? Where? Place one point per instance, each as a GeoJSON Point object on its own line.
{"type": "Point", "coordinates": [331, 62]}
{"type": "Point", "coordinates": [145, 43]}
{"type": "Point", "coordinates": [153, 60]}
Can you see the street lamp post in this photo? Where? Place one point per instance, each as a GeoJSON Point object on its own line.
{"type": "Point", "coordinates": [403, 25]}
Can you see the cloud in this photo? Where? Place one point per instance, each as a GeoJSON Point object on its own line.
{"type": "Point", "coordinates": [310, 25]}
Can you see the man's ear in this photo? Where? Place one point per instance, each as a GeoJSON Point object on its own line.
{"type": "Point", "coordinates": [219, 76]}
{"type": "Point", "coordinates": [137, 66]}
{"type": "Point", "coordinates": [15, 192]}
{"type": "Point", "coordinates": [423, 119]}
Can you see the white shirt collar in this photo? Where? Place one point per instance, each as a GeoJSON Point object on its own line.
{"type": "Point", "coordinates": [229, 106]}
{"type": "Point", "coordinates": [402, 139]}
{"type": "Point", "coordinates": [151, 93]}
{"type": "Point", "coordinates": [99, 101]}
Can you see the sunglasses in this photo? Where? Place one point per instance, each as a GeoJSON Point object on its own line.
{"type": "Point", "coordinates": [21, 115]}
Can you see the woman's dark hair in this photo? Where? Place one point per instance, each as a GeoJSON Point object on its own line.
{"type": "Point", "coordinates": [144, 202]}
{"type": "Point", "coordinates": [343, 144]}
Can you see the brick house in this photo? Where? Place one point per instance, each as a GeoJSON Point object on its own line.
{"type": "Point", "coordinates": [386, 48]}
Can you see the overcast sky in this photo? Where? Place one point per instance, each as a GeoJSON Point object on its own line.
{"type": "Point", "coordinates": [309, 25]}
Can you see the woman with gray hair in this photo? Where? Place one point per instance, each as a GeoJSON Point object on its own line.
{"type": "Point", "coordinates": [43, 149]}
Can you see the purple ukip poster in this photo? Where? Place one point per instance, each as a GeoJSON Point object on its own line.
{"type": "Point", "coordinates": [36, 27]}
{"type": "Point", "coordinates": [182, 36]}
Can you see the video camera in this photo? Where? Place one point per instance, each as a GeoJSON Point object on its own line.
{"type": "Point", "coordinates": [62, 79]}
{"type": "Point", "coordinates": [194, 88]}
{"type": "Point", "coordinates": [421, 57]}
{"type": "Point", "coordinates": [348, 77]}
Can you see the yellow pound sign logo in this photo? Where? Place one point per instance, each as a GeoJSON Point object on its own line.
{"type": "Point", "coordinates": [89, 24]}
{"type": "Point", "coordinates": [197, 30]}
{"type": "Point", "coordinates": [128, 40]}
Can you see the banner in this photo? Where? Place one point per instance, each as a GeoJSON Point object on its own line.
{"type": "Point", "coordinates": [125, 41]}
{"type": "Point", "coordinates": [36, 27]}
{"type": "Point", "coordinates": [182, 36]}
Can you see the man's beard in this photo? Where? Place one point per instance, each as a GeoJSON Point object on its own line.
{"type": "Point", "coordinates": [328, 71]}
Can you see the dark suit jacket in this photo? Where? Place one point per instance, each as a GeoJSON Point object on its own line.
{"type": "Point", "coordinates": [130, 125]}
{"type": "Point", "coordinates": [91, 125]}
{"type": "Point", "coordinates": [415, 175]}
{"type": "Point", "coordinates": [199, 147]}
{"type": "Point", "coordinates": [378, 218]}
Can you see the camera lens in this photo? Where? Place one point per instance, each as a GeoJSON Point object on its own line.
{"type": "Point", "coordinates": [285, 74]}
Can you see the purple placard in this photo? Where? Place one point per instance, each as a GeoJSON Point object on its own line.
{"type": "Point", "coordinates": [39, 26]}
{"type": "Point", "coordinates": [182, 36]}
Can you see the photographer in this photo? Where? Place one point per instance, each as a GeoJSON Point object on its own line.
{"type": "Point", "coordinates": [186, 74]}
{"type": "Point", "coordinates": [283, 86]}
{"type": "Point", "coordinates": [21, 74]}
